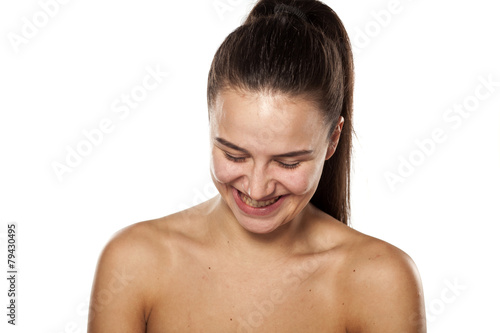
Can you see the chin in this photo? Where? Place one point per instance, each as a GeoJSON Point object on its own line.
{"type": "Point", "coordinates": [257, 226]}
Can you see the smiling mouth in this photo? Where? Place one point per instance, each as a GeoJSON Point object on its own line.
{"type": "Point", "coordinates": [257, 204]}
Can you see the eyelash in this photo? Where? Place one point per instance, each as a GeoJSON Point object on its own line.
{"type": "Point", "coordinates": [242, 159]}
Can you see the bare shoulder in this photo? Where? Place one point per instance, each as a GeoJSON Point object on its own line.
{"type": "Point", "coordinates": [124, 282]}
{"type": "Point", "coordinates": [148, 240]}
{"type": "Point", "coordinates": [141, 235]}
{"type": "Point", "coordinates": [380, 287]}
{"type": "Point", "coordinates": [384, 287]}
{"type": "Point", "coordinates": [138, 245]}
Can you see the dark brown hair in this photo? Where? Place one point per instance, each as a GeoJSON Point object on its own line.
{"type": "Point", "coordinates": [279, 50]}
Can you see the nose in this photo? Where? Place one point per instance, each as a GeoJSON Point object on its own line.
{"type": "Point", "coordinates": [260, 184]}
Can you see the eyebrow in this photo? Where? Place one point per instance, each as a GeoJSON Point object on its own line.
{"type": "Point", "coordinates": [235, 147]}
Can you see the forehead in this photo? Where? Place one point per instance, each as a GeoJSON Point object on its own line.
{"type": "Point", "coordinates": [265, 117]}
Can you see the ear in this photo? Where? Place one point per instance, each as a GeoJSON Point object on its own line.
{"type": "Point", "coordinates": [334, 139]}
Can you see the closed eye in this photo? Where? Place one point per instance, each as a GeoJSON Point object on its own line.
{"type": "Point", "coordinates": [289, 166]}
{"type": "Point", "coordinates": [234, 158]}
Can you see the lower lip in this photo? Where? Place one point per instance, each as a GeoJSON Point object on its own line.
{"type": "Point", "coordinates": [259, 211]}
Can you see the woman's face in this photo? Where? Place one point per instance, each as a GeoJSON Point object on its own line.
{"type": "Point", "coordinates": [267, 157]}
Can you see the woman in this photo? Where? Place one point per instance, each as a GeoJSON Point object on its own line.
{"type": "Point", "coordinates": [273, 251]}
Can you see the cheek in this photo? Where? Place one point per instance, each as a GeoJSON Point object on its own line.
{"type": "Point", "coordinates": [223, 170]}
{"type": "Point", "coordinates": [302, 181]}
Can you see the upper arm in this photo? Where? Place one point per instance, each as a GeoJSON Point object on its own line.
{"type": "Point", "coordinates": [387, 292]}
{"type": "Point", "coordinates": [119, 298]}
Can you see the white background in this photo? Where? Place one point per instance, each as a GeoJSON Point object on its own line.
{"type": "Point", "coordinates": [410, 69]}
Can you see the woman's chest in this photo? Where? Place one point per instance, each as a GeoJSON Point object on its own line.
{"type": "Point", "coordinates": [292, 298]}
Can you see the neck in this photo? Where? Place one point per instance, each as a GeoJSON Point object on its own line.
{"type": "Point", "coordinates": [248, 247]}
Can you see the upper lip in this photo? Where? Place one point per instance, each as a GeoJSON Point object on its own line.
{"type": "Point", "coordinates": [264, 199]}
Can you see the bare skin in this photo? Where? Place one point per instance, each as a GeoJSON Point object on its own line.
{"type": "Point", "coordinates": [213, 268]}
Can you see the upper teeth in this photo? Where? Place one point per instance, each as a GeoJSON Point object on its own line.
{"type": "Point", "coordinates": [255, 203]}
